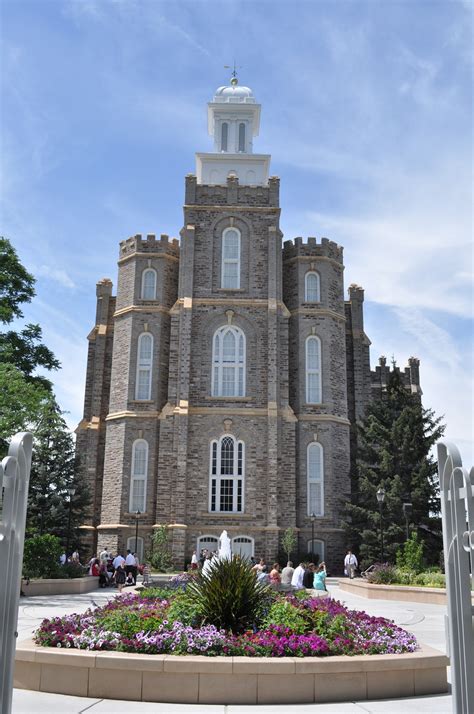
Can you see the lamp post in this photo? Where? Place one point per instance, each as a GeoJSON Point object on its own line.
{"type": "Point", "coordinates": [137, 516]}
{"type": "Point", "coordinates": [407, 509]}
{"type": "Point", "coordinates": [313, 518]}
{"type": "Point", "coordinates": [381, 499]}
{"type": "Point", "coordinates": [71, 491]}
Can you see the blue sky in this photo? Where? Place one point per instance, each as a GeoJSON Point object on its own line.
{"type": "Point", "coordinates": [366, 110]}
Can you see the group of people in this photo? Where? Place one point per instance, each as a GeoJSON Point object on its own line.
{"type": "Point", "coordinates": [111, 570]}
{"type": "Point", "coordinates": [305, 575]}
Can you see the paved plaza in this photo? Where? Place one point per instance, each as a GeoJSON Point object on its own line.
{"type": "Point", "coordinates": [425, 621]}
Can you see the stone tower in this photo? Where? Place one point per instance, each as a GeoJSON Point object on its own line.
{"type": "Point", "coordinates": [225, 378]}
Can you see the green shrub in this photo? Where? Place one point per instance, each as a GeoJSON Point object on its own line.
{"type": "Point", "coordinates": [159, 556]}
{"type": "Point", "coordinates": [185, 609]}
{"type": "Point", "coordinates": [430, 580]}
{"type": "Point", "coordinates": [158, 592]}
{"type": "Point", "coordinates": [41, 557]}
{"type": "Point", "coordinates": [127, 622]}
{"type": "Point", "coordinates": [410, 555]}
{"type": "Point", "coordinates": [229, 596]}
{"type": "Point", "coordinates": [404, 577]}
{"type": "Point", "coordinates": [383, 574]}
{"type": "Point", "coordinates": [72, 570]}
{"type": "Point", "coordinates": [285, 614]}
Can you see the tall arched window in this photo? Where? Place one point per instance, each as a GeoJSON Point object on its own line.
{"type": "Point", "coordinates": [228, 362]}
{"type": "Point", "coordinates": [224, 136]}
{"type": "Point", "coordinates": [144, 362]}
{"type": "Point", "coordinates": [312, 290]}
{"type": "Point", "coordinates": [313, 370]}
{"type": "Point", "coordinates": [231, 259]}
{"type": "Point", "coordinates": [226, 492]}
{"type": "Point", "coordinates": [149, 284]}
{"type": "Point", "coordinates": [135, 545]}
{"type": "Point", "coordinates": [316, 549]}
{"type": "Point", "coordinates": [315, 471]}
{"type": "Point", "coordinates": [139, 476]}
{"type": "Point", "coordinates": [241, 137]}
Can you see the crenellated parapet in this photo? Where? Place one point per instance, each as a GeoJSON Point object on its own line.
{"type": "Point", "coordinates": [410, 376]}
{"type": "Point", "coordinates": [232, 193]}
{"type": "Point", "coordinates": [311, 248]}
{"type": "Point", "coordinates": [149, 244]}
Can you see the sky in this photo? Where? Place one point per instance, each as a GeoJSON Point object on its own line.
{"type": "Point", "coordinates": [366, 111]}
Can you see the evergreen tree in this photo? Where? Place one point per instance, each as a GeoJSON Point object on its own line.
{"type": "Point", "coordinates": [53, 471]}
{"type": "Point", "coordinates": [393, 453]}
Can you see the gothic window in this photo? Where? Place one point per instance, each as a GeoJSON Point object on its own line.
{"type": "Point", "coordinates": [149, 284]}
{"type": "Point", "coordinates": [144, 360]}
{"type": "Point", "coordinates": [230, 278]}
{"type": "Point", "coordinates": [315, 472]}
{"type": "Point", "coordinates": [312, 290]}
{"type": "Point", "coordinates": [313, 370]}
{"type": "Point", "coordinates": [224, 136]}
{"type": "Point", "coordinates": [228, 362]}
{"type": "Point", "coordinates": [226, 493]}
{"type": "Point", "coordinates": [241, 137]}
{"type": "Point", "coordinates": [139, 476]}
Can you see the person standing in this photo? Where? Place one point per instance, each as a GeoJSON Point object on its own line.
{"type": "Point", "coordinates": [350, 564]}
{"type": "Point", "coordinates": [130, 568]}
{"type": "Point", "coordinates": [194, 561]}
{"type": "Point", "coordinates": [297, 577]}
{"type": "Point", "coordinates": [120, 577]}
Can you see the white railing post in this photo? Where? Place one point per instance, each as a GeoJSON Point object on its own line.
{"type": "Point", "coordinates": [14, 478]}
{"type": "Point", "coordinates": [457, 512]}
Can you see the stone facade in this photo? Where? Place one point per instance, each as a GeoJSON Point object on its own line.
{"type": "Point", "coordinates": [185, 420]}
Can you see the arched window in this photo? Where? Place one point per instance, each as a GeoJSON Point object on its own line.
{"type": "Point", "coordinates": [243, 546]}
{"type": "Point", "coordinates": [312, 290]}
{"type": "Point", "coordinates": [230, 259]}
{"type": "Point", "coordinates": [315, 472]}
{"type": "Point", "coordinates": [226, 492]}
{"type": "Point", "coordinates": [316, 550]}
{"type": "Point", "coordinates": [228, 362]}
{"type": "Point", "coordinates": [313, 370]}
{"type": "Point", "coordinates": [208, 542]}
{"type": "Point", "coordinates": [241, 137]}
{"type": "Point", "coordinates": [224, 136]}
{"type": "Point", "coordinates": [135, 545]}
{"type": "Point", "coordinates": [144, 361]}
{"type": "Point", "coordinates": [149, 284]}
{"type": "Point", "coordinates": [139, 476]}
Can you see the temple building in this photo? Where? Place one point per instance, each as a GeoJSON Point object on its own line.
{"type": "Point", "coordinates": [225, 377]}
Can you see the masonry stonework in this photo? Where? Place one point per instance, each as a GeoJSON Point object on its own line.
{"type": "Point", "coordinates": [263, 488]}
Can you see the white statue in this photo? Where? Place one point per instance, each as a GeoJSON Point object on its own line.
{"type": "Point", "coordinates": [224, 546]}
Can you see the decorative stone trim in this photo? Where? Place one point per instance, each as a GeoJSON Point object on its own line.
{"type": "Point", "coordinates": [229, 680]}
{"type": "Point", "coordinates": [316, 311]}
{"type": "Point", "coordinates": [141, 308]}
{"type": "Point", "coordinates": [168, 256]}
{"type": "Point", "coordinates": [322, 417]}
{"type": "Point", "coordinates": [137, 415]}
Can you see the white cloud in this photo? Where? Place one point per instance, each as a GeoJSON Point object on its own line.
{"type": "Point", "coordinates": [56, 274]}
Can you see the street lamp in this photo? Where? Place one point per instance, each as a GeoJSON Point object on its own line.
{"type": "Point", "coordinates": [407, 509]}
{"type": "Point", "coordinates": [313, 518]}
{"type": "Point", "coordinates": [381, 499]}
{"type": "Point", "coordinates": [137, 516]}
{"type": "Point", "coordinates": [71, 491]}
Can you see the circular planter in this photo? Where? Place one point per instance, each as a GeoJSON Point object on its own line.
{"type": "Point", "coordinates": [229, 680]}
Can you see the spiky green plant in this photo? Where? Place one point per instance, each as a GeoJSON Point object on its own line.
{"type": "Point", "coordinates": [229, 596]}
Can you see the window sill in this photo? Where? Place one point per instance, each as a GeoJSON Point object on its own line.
{"type": "Point", "coordinates": [230, 290]}
{"type": "Point", "coordinates": [142, 401]}
{"type": "Point", "coordinates": [228, 399]}
{"type": "Point", "coordinates": [229, 514]}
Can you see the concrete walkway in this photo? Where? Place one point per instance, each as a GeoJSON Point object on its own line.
{"type": "Point", "coordinates": [425, 621]}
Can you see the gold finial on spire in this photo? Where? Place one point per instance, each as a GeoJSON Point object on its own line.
{"type": "Point", "coordinates": [234, 79]}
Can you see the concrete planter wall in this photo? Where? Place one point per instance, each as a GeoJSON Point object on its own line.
{"type": "Point", "coordinates": [60, 586]}
{"type": "Point", "coordinates": [432, 596]}
{"type": "Point", "coordinates": [228, 680]}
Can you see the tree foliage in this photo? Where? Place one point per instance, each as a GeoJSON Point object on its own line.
{"type": "Point", "coordinates": [53, 470]}
{"type": "Point", "coordinates": [16, 283]}
{"type": "Point", "coordinates": [289, 542]}
{"type": "Point", "coordinates": [159, 556]}
{"type": "Point", "coordinates": [394, 443]}
{"type": "Point", "coordinates": [41, 557]}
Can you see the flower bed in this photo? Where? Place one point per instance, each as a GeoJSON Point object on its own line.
{"type": "Point", "coordinates": [168, 622]}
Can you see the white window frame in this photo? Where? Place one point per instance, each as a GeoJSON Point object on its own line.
{"type": "Point", "coordinates": [219, 365]}
{"type": "Point", "coordinates": [225, 145]}
{"type": "Point", "coordinates": [206, 539]}
{"type": "Point", "coordinates": [249, 539]}
{"type": "Point", "coordinates": [216, 475]}
{"type": "Point", "coordinates": [133, 507]}
{"type": "Point", "coordinates": [230, 261]}
{"type": "Point", "coordinates": [311, 274]}
{"type": "Point", "coordinates": [131, 541]}
{"type": "Point", "coordinates": [144, 364]}
{"type": "Point", "coordinates": [312, 371]}
{"type": "Point", "coordinates": [146, 272]}
{"type": "Point", "coordinates": [318, 480]}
